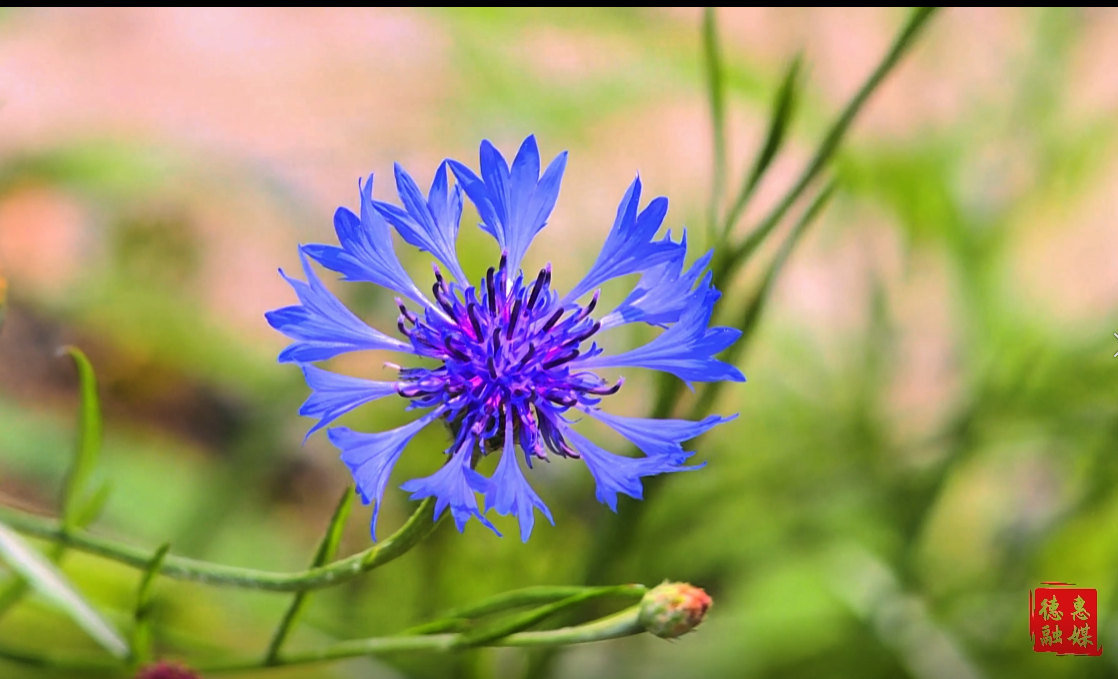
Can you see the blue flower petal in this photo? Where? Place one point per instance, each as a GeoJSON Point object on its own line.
{"type": "Point", "coordinates": [664, 292]}
{"type": "Point", "coordinates": [455, 485]}
{"type": "Point", "coordinates": [366, 252]}
{"type": "Point", "coordinates": [322, 326]}
{"type": "Point", "coordinates": [432, 224]}
{"type": "Point", "coordinates": [659, 438]}
{"type": "Point", "coordinates": [508, 492]}
{"type": "Point", "coordinates": [686, 349]}
{"type": "Point", "coordinates": [615, 474]}
{"type": "Point", "coordinates": [629, 248]}
{"type": "Point", "coordinates": [514, 204]}
{"type": "Point", "coordinates": [370, 457]}
{"type": "Point", "coordinates": [335, 395]}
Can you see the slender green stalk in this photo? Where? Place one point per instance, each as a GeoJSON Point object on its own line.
{"type": "Point", "coordinates": [418, 526]}
{"type": "Point", "coordinates": [716, 91]}
{"type": "Point", "coordinates": [327, 548]}
{"type": "Point", "coordinates": [530, 596]}
{"type": "Point", "coordinates": [522, 622]}
{"type": "Point", "coordinates": [834, 137]}
{"type": "Point", "coordinates": [622, 624]}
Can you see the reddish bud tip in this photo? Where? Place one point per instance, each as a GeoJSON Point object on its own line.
{"type": "Point", "coordinates": [166, 670]}
{"type": "Point", "coordinates": [673, 609]}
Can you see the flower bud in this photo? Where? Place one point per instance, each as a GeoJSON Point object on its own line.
{"type": "Point", "coordinates": [673, 609]}
{"type": "Point", "coordinates": [166, 670]}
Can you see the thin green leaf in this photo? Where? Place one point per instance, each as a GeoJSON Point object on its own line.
{"type": "Point", "coordinates": [784, 105]}
{"type": "Point", "coordinates": [327, 548]}
{"type": "Point", "coordinates": [716, 92]}
{"type": "Point", "coordinates": [752, 312]}
{"type": "Point", "coordinates": [905, 39]}
{"type": "Point", "coordinates": [49, 582]}
{"type": "Point", "coordinates": [89, 440]}
{"type": "Point", "coordinates": [94, 504]}
{"type": "Point", "coordinates": [141, 628]}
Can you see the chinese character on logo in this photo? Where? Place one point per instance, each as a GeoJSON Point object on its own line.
{"type": "Point", "coordinates": [1051, 632]}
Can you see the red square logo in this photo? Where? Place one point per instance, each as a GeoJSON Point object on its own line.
{"type": "Point", "coordinates": [1063, 619]}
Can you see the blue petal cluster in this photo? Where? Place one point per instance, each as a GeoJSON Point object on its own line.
{"type": "Point", "coordinates": [512, 358]}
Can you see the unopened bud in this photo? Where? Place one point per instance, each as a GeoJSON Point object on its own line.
{"type": "Point", "coordinates": [166, 670]}
{"type": "Point", "coordinates": [673, 609]}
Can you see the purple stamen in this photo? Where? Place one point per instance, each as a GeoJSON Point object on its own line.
{"type": "Point", "coordinates": [552, 321]}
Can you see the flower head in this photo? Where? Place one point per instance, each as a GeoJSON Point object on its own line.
{"type": "Point", "coordinates": [509, 357]}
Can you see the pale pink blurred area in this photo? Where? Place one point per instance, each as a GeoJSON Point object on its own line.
{"type": "Point", "coordinates": [315, 98]}
{"type": "Point", "coordinates": [41, 238]}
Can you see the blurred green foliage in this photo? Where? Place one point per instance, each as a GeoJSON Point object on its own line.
{"type": "Point", "coordinates": [837, 538]}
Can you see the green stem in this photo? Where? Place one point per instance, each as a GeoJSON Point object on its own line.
{"type": "Point", "coordinates": [716, 90]}
{"type": "Point", "coordinates": [418, 526]}
{"type": "Point", "coordinates": [622, 624]}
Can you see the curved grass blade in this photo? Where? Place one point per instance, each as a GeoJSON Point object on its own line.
{"type": "Point", "coordinates": [327, 548]}
{"type": "Point", "coordinates": [49, 582]}
{"type": "Point", "coordinates": [78, 511]}
{"type": "Point", "coordinates": [89, 441]}
{"type": "Point", "coordinates": [141, 629]}
{"type": "Point", "coordinates": [835, 135]}
{"type": "Point", "coordinates": [784, 106]}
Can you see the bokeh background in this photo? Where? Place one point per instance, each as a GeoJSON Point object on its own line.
{"type": "Point", "coordinates": [930, 426]}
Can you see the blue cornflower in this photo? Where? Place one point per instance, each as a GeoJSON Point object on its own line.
{"type": "Point", "coordinates": [513, 356]}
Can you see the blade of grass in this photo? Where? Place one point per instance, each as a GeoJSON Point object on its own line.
{"type": "Point", "coordinates": [141, 629]}
{"type": "Point", "coordinates": [89, 440]}
{"type": "Point", "coordinates": [784, 105]}
{"type": "Point", "coordinates": [327, 548]}
{"type": "Point", "coordinates": [904, 40]}
{"type": "Point", "coordinates": [716, 92]}
{"type": "Point", "coordinates": [49, 582]}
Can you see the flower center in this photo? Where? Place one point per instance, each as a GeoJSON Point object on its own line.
{"type": "Point", "coordinates": [504, 346]}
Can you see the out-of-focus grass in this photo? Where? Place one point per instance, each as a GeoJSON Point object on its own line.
{"type": "Point", "coordinates": [840, 534]}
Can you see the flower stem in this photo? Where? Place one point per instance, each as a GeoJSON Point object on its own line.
{"type": "Point", "coordinates": [418, 526]}
{"type": "Point", "coordinates": [622, 624]}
